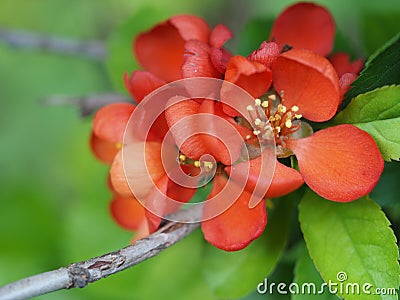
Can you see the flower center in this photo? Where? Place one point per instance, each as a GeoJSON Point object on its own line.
{"type": "Point", "coordinates": [271, 118]}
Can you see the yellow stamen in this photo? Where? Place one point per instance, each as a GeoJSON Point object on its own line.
{"type": "Point", "coordinates": [295, 108]}
{"type": "Point", "coordinates": [249, 108]}
{"type": "Point", "coordinates": [281, 108]}
{"type": "Point", "coordinates": [257, 102]}
{"type": "Point", "coordinates": [256, 132]}
{"type": "Point", "coordinates": [257, 122]}
{"type": "Point", "coordinates": [288, 123]}
{"type": "Point", "coordinates": [196, 164]}
{"type": "Point", "coordinates": [208, 165]}
{"type": "Point", "coordinates": [264, 104]}
{"type": "Point", "coordinates": [182, 157]}
{"type": "Point", "coordinates": [298, 116]}
{"type": "Point", "coordinates": [272, 97]}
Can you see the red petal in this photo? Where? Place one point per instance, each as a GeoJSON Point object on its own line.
{"type": "Point", "coordinates": [236, 227]}
{"type": "Point", "coordinates": [266, 54]}
{"type": "Point", "coordinates": [345, 81]}
{"type": "Point", "coordinates": [103, 150]}
{"type": "Point", "coordinates": [309, 81]}
{"type": "Point", "coordinates": [307, 26]}
{"type": "Point", "coordinates": [340, 163]}
{"type": "Point", "coordinates": [197, 62]}
{"type": "Point", "coordinates": [179, 193]}
{"type": "Point", "coordinates": [219, 36]}
{"type": "Point", "coordinates": [254, 77]}
{"type": "Point", "coordinates": [191, 146]}
{"type": "Point", "coordinates": [219, 58]}
{"type": "Point", "coordinates": [191, 27]}
{"type": "Point", "coordinates": [128, 212]}
{"type": "Point", "coordinates": [110, 121]}
{"type": "Point", "coordinates": [160, 51]}
{"type": "Point", "coordinates": [142, 83]}
{"type": "Point", "coordinates": [341, 63]}
{"type": "Point", "coordinates": [284, 181]}
{"type": "Point", "coordinates": [141, 174]}
{"type": "Point", "coordinates": [156, 204]}
{"type": "Point", "coordinates": [222, 140]}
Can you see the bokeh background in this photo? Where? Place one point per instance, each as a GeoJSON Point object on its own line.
{"type": "Point", "coordinates": [53, 195]}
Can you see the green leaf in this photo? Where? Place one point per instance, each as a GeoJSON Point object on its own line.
{"type": "Point", "coordinates": [307, 278]}
{"type": "Point", "coordinates": [378, 113]}
{"type": "Point", "coordinates": [354, 238]}
{"type": "Point", "coordinates": [235, 274]}
{"type": "Point", "coordinates": [382, 68]}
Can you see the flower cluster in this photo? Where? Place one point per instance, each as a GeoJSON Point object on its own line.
{"type": "Point", "coordinates": [294, 81]}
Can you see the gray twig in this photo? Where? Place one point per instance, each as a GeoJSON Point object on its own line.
{"type": "Point", "coordinates": [86, 104]}
{"type": "Point", "coordinates": [81, 273]}
{"type": "Point", "coordinates": [29, 40]}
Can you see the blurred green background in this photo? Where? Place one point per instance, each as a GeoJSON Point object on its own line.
{"type": "Point", "coordinates": [53, 195]}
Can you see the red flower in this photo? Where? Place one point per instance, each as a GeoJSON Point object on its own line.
{"type": "Point", "coordinates": [183, 46]}
{"type": "Point", "coordinates": [290, 87]}
{"type": "Point", "coordinates": [311, 26]}
{"type": "Point", "coordinates": [307, 85]}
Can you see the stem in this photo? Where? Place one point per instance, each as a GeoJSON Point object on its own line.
{"type": "Point", "coordinates": [81, 273]}
{"type": "Point", "coordinates": [29, 40]}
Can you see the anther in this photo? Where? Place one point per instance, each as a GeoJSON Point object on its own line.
{"type": "Point", "coordinates": [248, 137]}
{"type": "Point", "coordinates": [281, 108]}
{"type": "Point", "coordinates": [257, 102]}
{"type": "Point", "coordinates": [249, 108]}
{"type": "Point", "coordinates": [208, 165]}
{"type": "Point", "coordinates": [295, 108]}
{"type": "Point", "coordinates": [298, 116]}
{"type": "Point", "coordinates": [257, 122]}
{"type": "Point", "coordinates": [272, 97]}
{"type": "Point", "coordinates": [288, 123]}
{"type": "Point", "coordinates": [256, 132]}
{"type": "Point", "coordinates": [182, 157]}
{"type": "Point", "coordinates": [196, 163]}
{"type": "Point", "coordinates": [277, 129]}
{"type": "Point", "coordinates": [264, 104]}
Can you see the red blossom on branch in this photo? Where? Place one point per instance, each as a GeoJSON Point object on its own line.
{"type": "Point", "coordinates": [293, 83]}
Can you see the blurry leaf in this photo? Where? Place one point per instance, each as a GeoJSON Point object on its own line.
{"type": "Point", "coordinates": [378, 113]}
{"type": "Point", "coordinates": [354, 238]}
{"type": "Point", "coordinates": [121, 57]}
{"type": "Point", "coordinates": [386, 192]}
{"type": "Point", "coordinates": [382, 68]}
{"type": "Point", "coordinates": [309, 280]}
{"type": "Point", "coordinates": [234, 274]}
{"type": "Point", "coordinates": [378, 27]}
{"type": "Point", "coordinates": [344, 44]}
{"type": "Point", "coordinates": [253, 34]}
